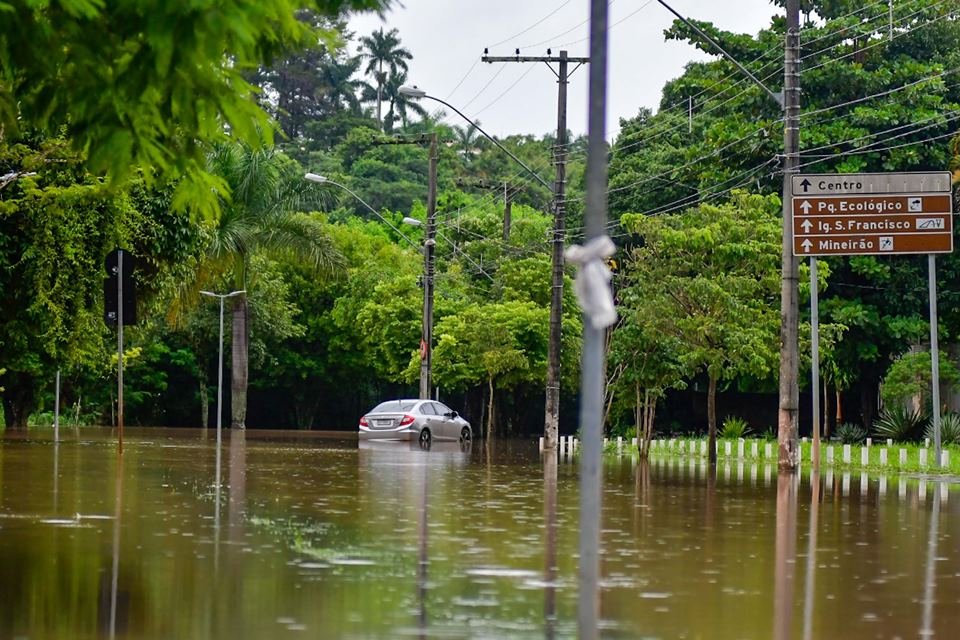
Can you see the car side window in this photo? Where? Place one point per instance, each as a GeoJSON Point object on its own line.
{"type": "Point", "coordinates": [428, 409]}
{"type": "Point", "coordinates": [442, 409]}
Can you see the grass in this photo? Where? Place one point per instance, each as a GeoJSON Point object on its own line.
{"type": "Point", "coordinates": [911, 465]}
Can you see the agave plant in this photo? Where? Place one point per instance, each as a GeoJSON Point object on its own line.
{"type": "Point", "coordinates": [900, 423]}
{"type": "Point", "coordinates": [949, 429]}
{"type": "Point", "coordinates": [850, 433]}
{"type": "Point", "coordinates": [734, 427]}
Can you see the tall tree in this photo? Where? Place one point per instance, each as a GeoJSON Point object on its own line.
{"type": "Point", "coordinates": [400, 104]}
{"type": "Point", "coordinates": [385, 59]}
{"type": "Point", "coordinates": [707, 281]}
{"type": "Point", "coordinates": [264, 213]}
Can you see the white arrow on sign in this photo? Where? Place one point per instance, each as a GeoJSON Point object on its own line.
{"type": "Point", "coordinates": [807, 225]}
{"type": "Point", "coordinates": [806, 244]}
{"type": "Point", "coordinates": [806, 206]}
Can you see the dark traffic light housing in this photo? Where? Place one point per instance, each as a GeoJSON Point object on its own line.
{"type": "Point", "coordinates": [110, 288]}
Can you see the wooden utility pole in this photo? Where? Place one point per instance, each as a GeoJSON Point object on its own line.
{"type": "Point", "coordinates": [789, 310]}
{"type": "Point", "coordinates": [426, 345]}
{"type": "Point", "coordinates": [552, 410]}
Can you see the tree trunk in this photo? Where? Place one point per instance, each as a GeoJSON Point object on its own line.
{"type": "Point", "coordinates": [649, 413]}
{"type": "Point", "coordinates": [19, 400]}
{"type": "Point", "coordinates": [240, 362]}
{"type": "Point", "coordinates": [712, 420]}
{"type": "Point", "coordinates": [490, 408]}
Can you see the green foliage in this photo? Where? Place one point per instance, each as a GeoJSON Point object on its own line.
{"type": "Point", "coordinates": [850, 433]}
{"type": "Point", "coordinates": [911, 376]}
{"type": "Point", "coordinates": [704, 286]}
{"type": "Point", "coordinates": [146, 84]}
{"type": "Point", "coordinates": [734, 427]}
{"type": "Point", "coordinates": [949, 429]}
{"type": "Point", "coordinates": [901, 423]}
{"type": "Point", "coordinates": [506, 342]}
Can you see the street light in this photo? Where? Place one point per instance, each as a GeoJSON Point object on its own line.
{"type": "Point", "coordinates": [221, 296]}
{"type": "Point", "coordinates": [417, 93]}
{"type": "Point", "coordinates": [426, 337]}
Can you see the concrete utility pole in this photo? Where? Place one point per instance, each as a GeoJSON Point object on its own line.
{"type": "Point", "coordinates": [789, 311]}
{"type": "Point", "coordinates": [593, 365]}
{"type": "Point", "coordinates": [426, 335]}
{"type": "Point", "coordinates": [552, 411]}
{"type": "Point", "coordinates": [426, 346]}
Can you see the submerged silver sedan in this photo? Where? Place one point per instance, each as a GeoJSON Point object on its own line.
{"type": "Point", "coordinates": [423, 420]}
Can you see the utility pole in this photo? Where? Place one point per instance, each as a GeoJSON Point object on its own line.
{"type": "Point", "coordinates": [789, 311]}
{"type": "Point", "coordinates": [552, 410]}
{"type": "Point", "coordinates": [426, 335]}
{"type": "Point", "coordinates": [426, 344]}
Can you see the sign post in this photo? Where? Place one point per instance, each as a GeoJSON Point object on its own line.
{"type": "Point", "coordinates": [119, 307]}
{"type": "Point", "coordinates": [873, 214]}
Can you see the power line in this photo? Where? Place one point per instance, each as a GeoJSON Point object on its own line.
{"type": "Point", "coordinates": [484, 88]}
{"type": "Point", "coordinates": [535, 24]}
{"type": "Point", "coordinates": [834, 60]}
{"type": "Point", "coordinates": [620, 21]}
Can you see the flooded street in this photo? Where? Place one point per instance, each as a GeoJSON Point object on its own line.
{"type": "Point", "coordinates": [318, 537]}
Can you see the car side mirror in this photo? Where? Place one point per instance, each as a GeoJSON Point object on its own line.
{"type": "Point", "coordinates": [453, 414]}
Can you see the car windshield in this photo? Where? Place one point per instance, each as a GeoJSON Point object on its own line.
{"type": "Point", "coordinates": [393, 406]}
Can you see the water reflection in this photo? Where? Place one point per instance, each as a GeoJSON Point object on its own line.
{"type": "Point", "coordinates": [115, 574]}
{"type": "Point", "coordinates": [930, 582]}
{"type": "Point", "coordinates": [811, 579]}
{"type": "Point", "coordinates": [785, 555]}
{"type": "Point", "coordinates": [335, 540]}
{"type": "Point", "coordinates": [550, 568]}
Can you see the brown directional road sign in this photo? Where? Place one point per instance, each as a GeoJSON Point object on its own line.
{"type": "Point", "coordinates": [863, 214]}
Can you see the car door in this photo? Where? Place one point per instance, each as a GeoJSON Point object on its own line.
{"type": "Point", "coordinates": [430, 419]}
{"type": "Point", "coordinates": [449, 428]}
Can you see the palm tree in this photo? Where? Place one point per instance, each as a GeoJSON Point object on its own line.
{"type": "Point", "coordinates": [400, 104]}
{"type": "Point", "coordinates": [338, 90]}
{"type": "Point", "coordinates": [467, 138]}
{"type": "Point", "coordinates": [262, 213]}
{"type": "Point", "coordinates": [385, 58]}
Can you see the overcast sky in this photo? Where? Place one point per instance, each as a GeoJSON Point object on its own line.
{"type": "Point", "coordinates": [447, 38]}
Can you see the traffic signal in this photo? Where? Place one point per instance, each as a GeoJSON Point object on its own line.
{"type": "Point", "coordinates": [110, 288]}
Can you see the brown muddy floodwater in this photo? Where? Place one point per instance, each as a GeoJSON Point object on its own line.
{"type": "Point", "coordinates": [312, 537]}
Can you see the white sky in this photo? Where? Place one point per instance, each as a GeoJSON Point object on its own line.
{"type": "Point", "coordinates": [447, 37]}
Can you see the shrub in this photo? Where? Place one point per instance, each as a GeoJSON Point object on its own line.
{"type": "Point", "coordinates": [734, 427]}
{"type": "Point", "coordinates": [949, 429]}
{"type": "Point", "coordinates": [900, 423]}
{"type": "Point", "coordinates": [850, 433]}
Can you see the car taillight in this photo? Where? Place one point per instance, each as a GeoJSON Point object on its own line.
{"type": "Point", "coordinates": [405, 420]}
{"type": "Point", "coordinates": [363, 421]}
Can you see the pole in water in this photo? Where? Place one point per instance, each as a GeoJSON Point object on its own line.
{"type": "Point", "coordinates": [815, 361]}
{"type": "Point", "coordinates": [120, 351]}
{"type": "Point", "coordinates": [934, 356]}
{"type": "Point", "coordinates": [56, 410]}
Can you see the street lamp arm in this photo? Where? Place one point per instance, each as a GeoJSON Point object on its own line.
{"type": "Point", "coordinates": [491, 139]}
{"type": "Point", "coordinates": [325, 180]}
{"type": "Point", "coordinates": [777, 98]}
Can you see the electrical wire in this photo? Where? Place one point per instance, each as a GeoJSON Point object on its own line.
{"type": "Point", "coordinates": [484, 88]}
{"type": "Point", "coordinates": [505, 91]}
{"type": "Point", "coordinates": [611, 26]}
{"type": "Point", "coordinates": [834, 60]}
{"type": "Point", "coordinates": [535, 24]}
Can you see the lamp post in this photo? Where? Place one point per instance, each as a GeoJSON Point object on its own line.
{"type": "Point", "coordinates": [221, 296]}
{"type": "Point", "coordinates": [426, 337]}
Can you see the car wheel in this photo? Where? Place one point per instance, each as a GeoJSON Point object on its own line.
{"type": "Point", "coordinates": [465, 434]}
{"type": "Point", "coordinates": [425, 438]}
